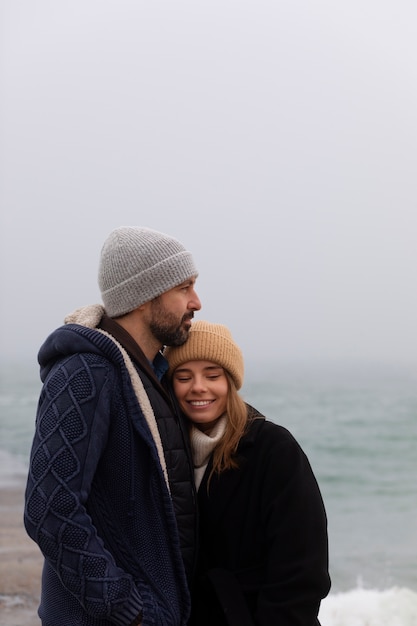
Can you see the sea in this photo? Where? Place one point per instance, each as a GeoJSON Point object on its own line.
{"type": "Point", "coordinates": [357, 423]}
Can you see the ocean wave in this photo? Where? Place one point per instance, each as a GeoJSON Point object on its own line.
{"type": "Point", "coordinates": [370, 607]}
{"type": "Point", "coordinates": [13, 470]}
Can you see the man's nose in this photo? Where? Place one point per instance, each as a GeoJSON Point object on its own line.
{"type": "Point", "coordinates": [194, 304]}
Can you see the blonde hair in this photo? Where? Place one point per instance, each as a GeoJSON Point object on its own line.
{"type": "Point", "coordinates": [224, 454]}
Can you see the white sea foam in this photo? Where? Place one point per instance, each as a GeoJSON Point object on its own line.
{"type": "Point", "coordinates": [11, 601]}
{"type": "Point", "coordinates": [369, 607]}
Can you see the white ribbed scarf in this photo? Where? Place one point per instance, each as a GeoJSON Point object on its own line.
{"type": "Point", "coordinates": [202, 445]}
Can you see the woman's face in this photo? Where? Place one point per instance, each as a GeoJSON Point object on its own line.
{"type": "Point", "coordinates": [201, 388]}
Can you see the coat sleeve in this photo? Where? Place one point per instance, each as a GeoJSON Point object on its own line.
{"type": "Point", "coordinates": [295, 523]}
{"type": "Point", "coordinates": [72, 427]}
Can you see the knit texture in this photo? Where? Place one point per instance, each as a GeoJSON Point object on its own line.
{"type": "Point", "coordinates": [111, 551]}
{"type": "Point", "coordinates": [202, 445]}
{"type": "Point", "coordinates": [90, 316]}
{"type": "Point", "coordinates": [139, 264]}
{"type": "Point", "coordinates": [209, 342]}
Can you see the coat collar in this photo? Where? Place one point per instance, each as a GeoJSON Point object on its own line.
{"type": "Point", "coordinates": [132, 348]}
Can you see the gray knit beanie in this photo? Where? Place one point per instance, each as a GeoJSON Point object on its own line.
{"type": "Point", "coordinates": [139, 264]}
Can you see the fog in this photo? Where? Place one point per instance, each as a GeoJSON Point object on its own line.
{"type": "Point", "coordinates": [276, 140]}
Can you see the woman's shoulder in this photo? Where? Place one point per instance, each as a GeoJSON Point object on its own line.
{"type": "Point", "coordinates": [260, 426]}
{"type": "Point", "coordinates": [275, 451]}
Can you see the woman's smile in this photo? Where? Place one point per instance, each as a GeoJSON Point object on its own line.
{"type": "Point", "coordinates": [193, 381]}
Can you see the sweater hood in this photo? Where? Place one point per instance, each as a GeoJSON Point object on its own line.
{"type": "Point", "coordinates": [79, 334]}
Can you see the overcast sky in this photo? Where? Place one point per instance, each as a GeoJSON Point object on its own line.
{"type": "Point", "coordinates": [276, 140]}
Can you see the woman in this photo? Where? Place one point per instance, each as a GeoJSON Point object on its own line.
{"type": "Point", "coordinates": [263, 529]}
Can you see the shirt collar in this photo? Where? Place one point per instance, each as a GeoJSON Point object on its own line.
{"type": "Point", "coordinates": [159, 365]}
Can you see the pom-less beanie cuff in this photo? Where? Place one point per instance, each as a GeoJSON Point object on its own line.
{"type": "Point", "coordinates": [208, 342]}
{"type": "Point", "coordinates": [139, 264]}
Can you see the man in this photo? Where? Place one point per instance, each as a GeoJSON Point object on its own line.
{"type": "Point", "coordinates": [110, 498]}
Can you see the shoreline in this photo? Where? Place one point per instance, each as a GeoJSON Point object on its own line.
{"type": "Point", "coordinates": [20, 562]}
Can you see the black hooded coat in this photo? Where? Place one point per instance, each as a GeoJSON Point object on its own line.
{"type": "Point", "coordinates": [264, 546]}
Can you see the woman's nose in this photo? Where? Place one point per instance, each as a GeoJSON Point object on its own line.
{"type": "Point", "coordinates": [199, 385]}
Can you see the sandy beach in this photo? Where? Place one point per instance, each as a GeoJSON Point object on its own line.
{"type": "Point", "coordinates": [20, 563]}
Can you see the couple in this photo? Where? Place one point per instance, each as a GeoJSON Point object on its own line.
{"type": "Point", "coordinates": [131, 443]}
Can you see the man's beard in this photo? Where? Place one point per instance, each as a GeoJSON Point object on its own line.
{"type": "Point", "coordinates": [165, 327]}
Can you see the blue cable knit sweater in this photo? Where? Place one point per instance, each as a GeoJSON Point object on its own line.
{"type": "Point", "coordinates": [97, 501]}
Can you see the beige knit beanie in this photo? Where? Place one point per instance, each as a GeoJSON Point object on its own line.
{"type": "Point", "coordinates": [208, 342]}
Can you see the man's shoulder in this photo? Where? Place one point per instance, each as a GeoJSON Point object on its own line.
{"type": "Point", "coordinates": [76, 346]}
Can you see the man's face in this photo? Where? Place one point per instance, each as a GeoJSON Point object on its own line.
{"type": "Point", "coordinates": [171, 314]}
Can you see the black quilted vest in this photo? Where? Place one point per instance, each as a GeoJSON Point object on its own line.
{"type": "Point", "coordinates": [175, 442]}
